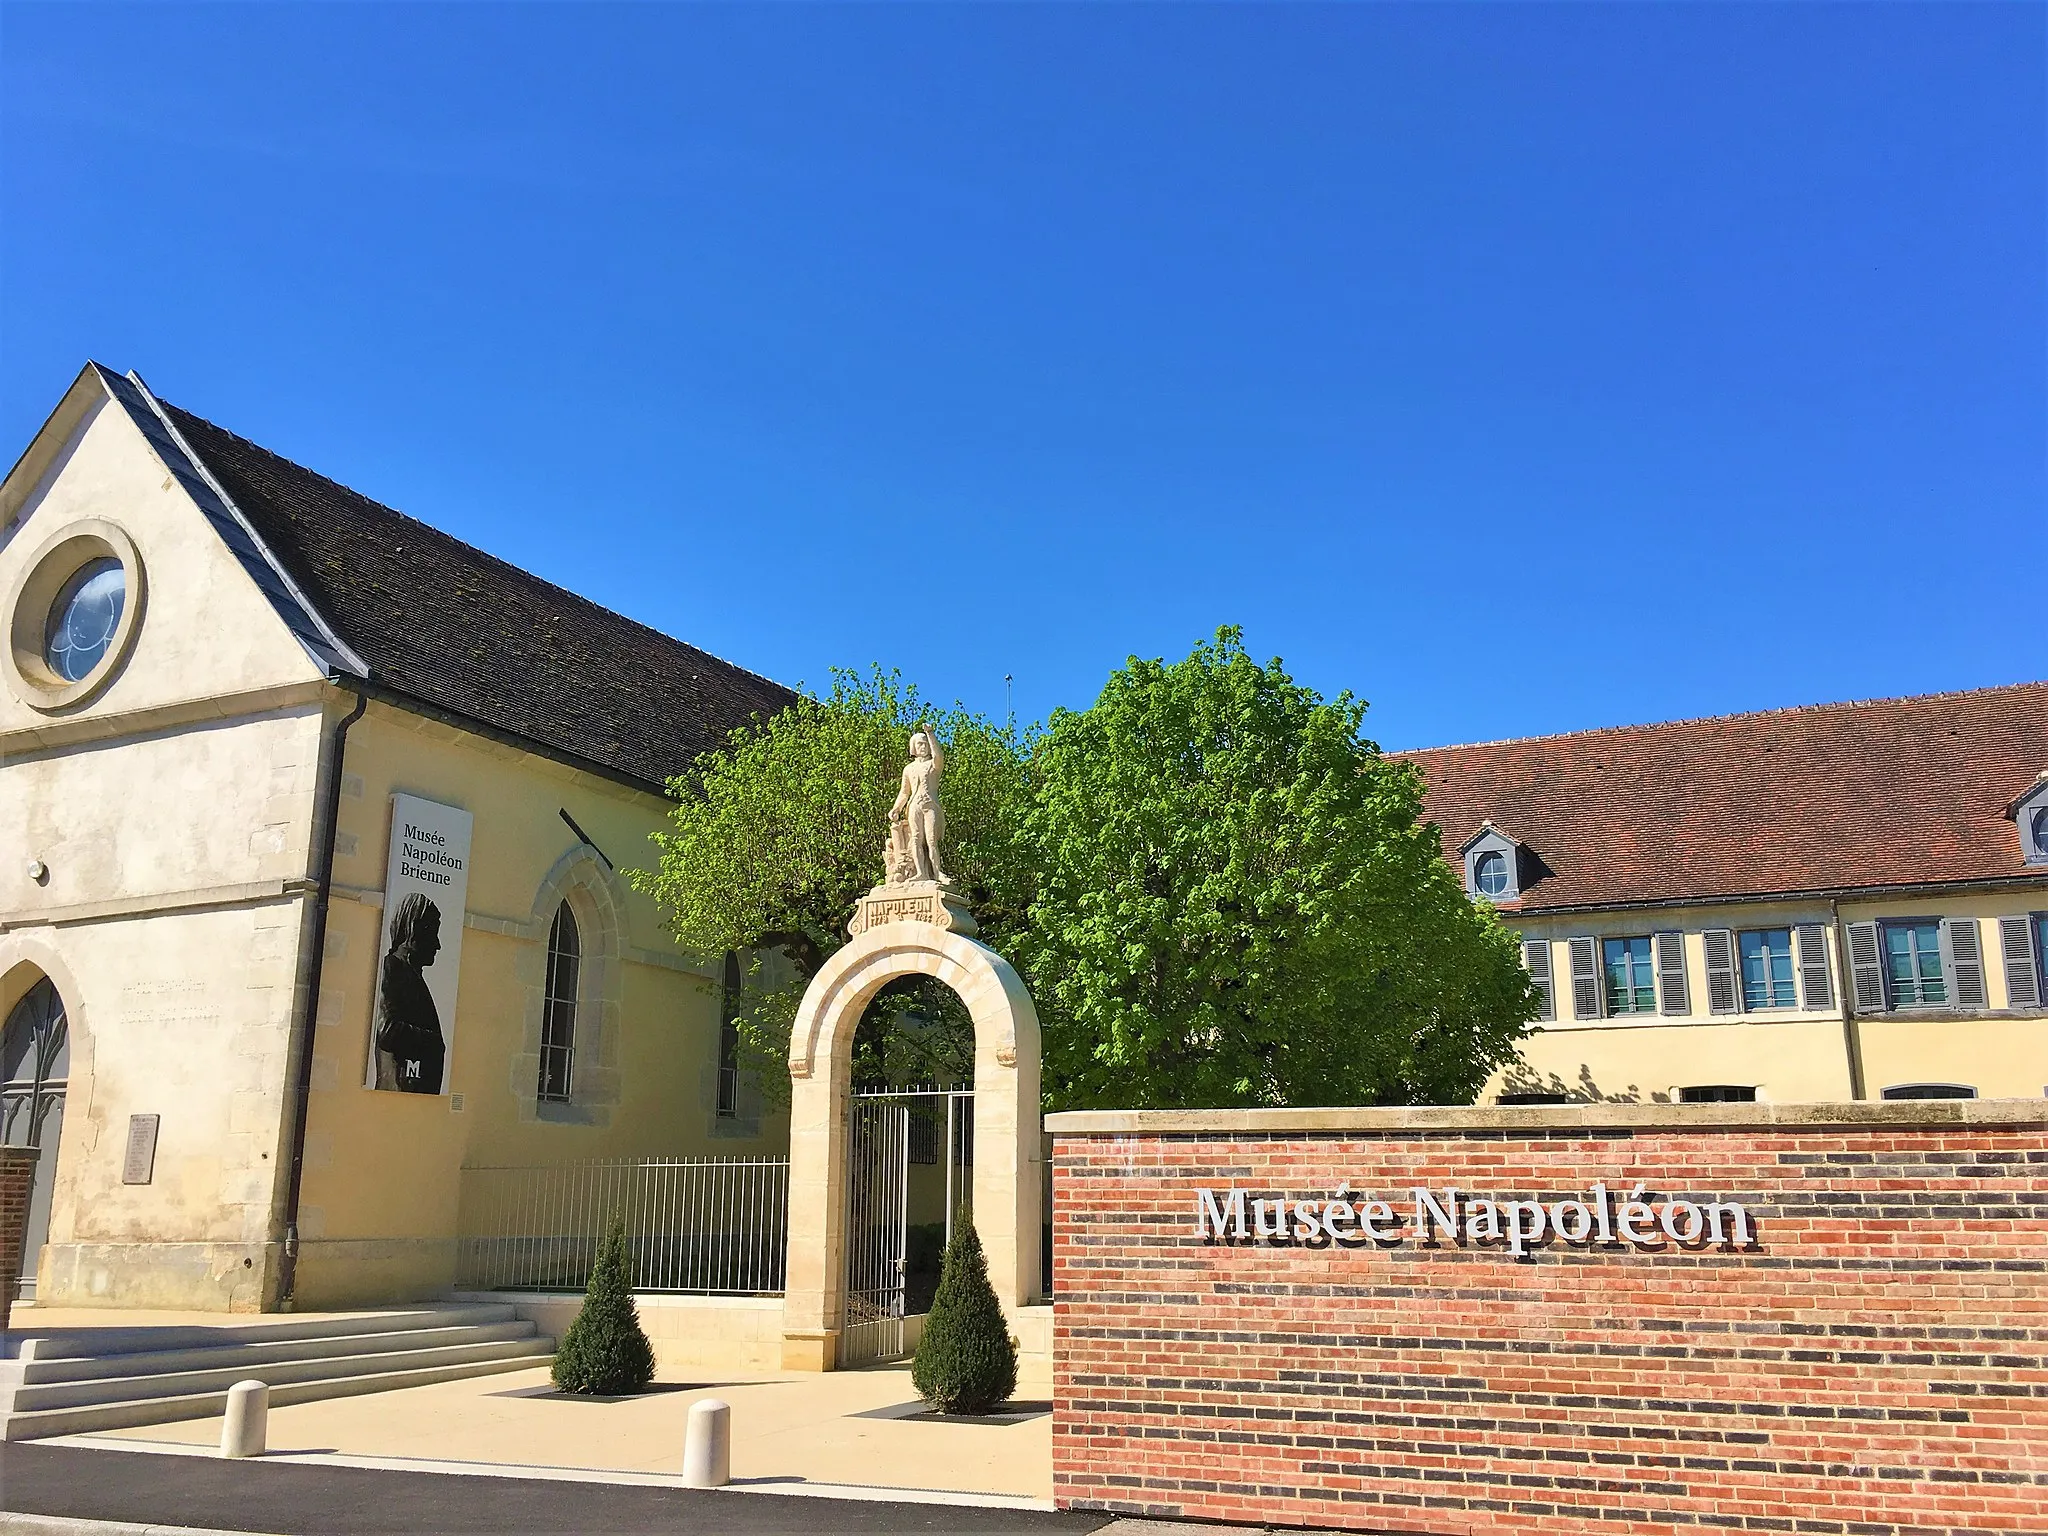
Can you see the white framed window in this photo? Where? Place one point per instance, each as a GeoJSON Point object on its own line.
{"type": "Point", "coordinates": [1767, 969]}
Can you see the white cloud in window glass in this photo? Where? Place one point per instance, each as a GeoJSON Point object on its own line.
{"type": "Point", "coordinates": [84, 618]}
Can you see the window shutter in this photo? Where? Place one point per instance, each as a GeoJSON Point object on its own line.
{"type": "Point", "coordinates": [1585, 980]}
{"type": "Point", "coordinates": [1816, 986]}
{"type": "Point", "coordinates": [1671, 996]}
{"type": "Point", "coordinates": [1724, 995]}
{"type": "Point", "coordinates": [1536, 958]}
{"type": "Point", "coordinates": [1866, 967]}
{"type": "Point", "coordinates": [1966, 953]}
{"type": "Point", "coordinates": [2022, 967]}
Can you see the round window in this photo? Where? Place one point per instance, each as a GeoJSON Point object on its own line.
{"type": "Point", "coordinates": [71, 614]}
{"type": "Point", "coordinates": [2041, 829]}
{"type": "Point", "coordinates": [1491, 871]}
{"type": "Point", "coordinates": [84, 618]}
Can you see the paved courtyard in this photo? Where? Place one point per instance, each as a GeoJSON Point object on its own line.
{"type": "Point", "coordinates": [849, 1429]}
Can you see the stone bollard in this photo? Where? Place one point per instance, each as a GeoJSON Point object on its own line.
{"type": "Point", "coordinates": [707, 1445]}
{"type": "Point", "coordinates": [242, 1431]}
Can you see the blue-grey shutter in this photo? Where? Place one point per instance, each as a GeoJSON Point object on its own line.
{"type": "Point", "coordinates": [1816, 984]}
{"type": "Point", "coordinates": [2022, 965]}
{"type": "Point", "coordinates": [1671, 994]}
{"type": "Point", "coordinates": [1536, 958]}
{"type": "Point", "coordinates": [1966, 961]}
{"type": "Point", "coordinates": [1724, 992]}
{"type": "Point", "coordinates": [1585, 980]}
{"type": "Point", "coordinates": [1866, 967]}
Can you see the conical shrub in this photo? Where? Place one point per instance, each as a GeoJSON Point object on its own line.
{"type": "Point", "coordinates": [604, 1353]}
{"type": "Point", "coordinates": [965, 1362]}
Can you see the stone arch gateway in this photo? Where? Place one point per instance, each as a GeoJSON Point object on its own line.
{"type": "Point", "coordinates": [1008, 1161]}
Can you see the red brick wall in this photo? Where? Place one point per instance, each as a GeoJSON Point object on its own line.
{"type": "Point", "coordinates": [17, 1172]}
{"type": "Point", "coordinates": [1876, 1363]}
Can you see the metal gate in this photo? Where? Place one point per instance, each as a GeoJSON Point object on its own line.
{"type": "Point", "coordinates": [877, 1210]}
{"type": "Point", "coordinates": [887, 1281]}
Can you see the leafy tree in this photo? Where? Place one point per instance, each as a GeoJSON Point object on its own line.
{"type": "Point", "coordinates": [776, 836]}
{"type": "Point", "coordinates": [965, 1362]}
{"type": "Point", "coordinates": [1238, 902]}
{"type": "Point", "coordinates": [604, 1353]}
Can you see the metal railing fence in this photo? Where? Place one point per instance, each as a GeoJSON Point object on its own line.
{"type": "Point", "coordinates": [709, 1225]}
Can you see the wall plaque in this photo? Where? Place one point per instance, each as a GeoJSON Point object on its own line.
{"type": "Point", "coordinates": [139, 1166]}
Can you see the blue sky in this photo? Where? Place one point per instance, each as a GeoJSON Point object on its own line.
{"type": "Point", "coordinates": [1519, 368]}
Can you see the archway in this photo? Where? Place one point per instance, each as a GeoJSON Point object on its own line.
{"type": "Point", "coordinates": [1007, 1171]}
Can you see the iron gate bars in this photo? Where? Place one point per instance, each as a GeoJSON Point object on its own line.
{"type": "Point", "coordinates": [877, 1211]}
{"type": "Point", "coordinates": [716, 1226]}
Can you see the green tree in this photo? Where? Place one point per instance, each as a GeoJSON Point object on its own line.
{"type": "Point", "coordinates": [605, 1353]}
{"type": "Point", "coordinates": [1238, 902]}
{"type": "Point", "coordinates": [775, 836]}
{"type": "Point", "coordinates": [965, 1362]}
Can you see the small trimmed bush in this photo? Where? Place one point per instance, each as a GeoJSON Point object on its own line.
{"type": "Point", "coordinates": [965, 1361]}
{"type": "Point", "coordinates": [604, 1353]}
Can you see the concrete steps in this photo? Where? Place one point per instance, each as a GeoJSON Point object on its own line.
{"type": "Point", "coordinates": [67, 1383]}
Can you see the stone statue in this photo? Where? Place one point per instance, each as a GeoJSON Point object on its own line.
{"type": "Point", "coordinates": [916, 821]}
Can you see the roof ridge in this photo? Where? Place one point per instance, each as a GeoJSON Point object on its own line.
{"type": "Point", "coordinates": [1744, 714]}
{"type": "Point", "coordinates": [482, 554]}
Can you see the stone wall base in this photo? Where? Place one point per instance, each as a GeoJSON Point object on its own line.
{"type": "Point", "coordinates": [177, 1277]}
{"type": "Point", "coordinates": [698, 1333]}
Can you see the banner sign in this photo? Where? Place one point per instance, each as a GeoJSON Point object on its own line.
{"type": "Point", "coordinates": [426, 883]}
{"type": "Point", "coordinates": [1600, 1216]}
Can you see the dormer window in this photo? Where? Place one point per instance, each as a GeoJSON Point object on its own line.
{"type": "Point", "coordinates": [1493, 865]}
{"type": "Point", "coordinates": [2030, 812]}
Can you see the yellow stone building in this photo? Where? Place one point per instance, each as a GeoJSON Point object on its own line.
{"type": "Point", "coordinates": [225, 677]}
{"type": "Point", "coordinates": [1844, 901]}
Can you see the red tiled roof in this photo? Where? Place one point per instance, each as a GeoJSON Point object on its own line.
{"type": "Point", "coordinates": [1891, 792]}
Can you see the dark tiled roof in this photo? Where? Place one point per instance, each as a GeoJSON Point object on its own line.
{"type": "Point", "coordinates": [1829, 797]}
{"type": "Point", "coordinates": [459, 630]}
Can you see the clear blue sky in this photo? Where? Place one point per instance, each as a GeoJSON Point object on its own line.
{"type": "Point", "coordinates": [1520, 368]}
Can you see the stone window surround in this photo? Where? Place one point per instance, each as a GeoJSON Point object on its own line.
{"type": "Point", "coordinates": [27, 613]}
{"type": "Point", "coordinates": [580, 878]}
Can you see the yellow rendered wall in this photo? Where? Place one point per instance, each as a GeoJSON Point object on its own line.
{"type": "Point", "coordinates": [384, 1182]}
{"type": "Point", "coordinates": [1792, 1054]}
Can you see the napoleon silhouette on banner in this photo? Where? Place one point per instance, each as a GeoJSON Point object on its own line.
{"type": "Point", "coordinates": [410, 1048]}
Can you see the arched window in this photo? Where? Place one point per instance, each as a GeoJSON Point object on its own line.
{"type": "Point", "coordinates": [558, 1008]}
{"type": "Point", "coordinates": [35, 1063]}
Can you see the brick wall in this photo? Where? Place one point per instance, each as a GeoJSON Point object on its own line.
{"type": "Point", "coordinates": [1876, 1362]}
{"type": "Point", "coordinates": [17, 1173]}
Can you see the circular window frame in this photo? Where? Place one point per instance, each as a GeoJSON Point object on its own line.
{"type": "Point", "coordinates": [30, 677]}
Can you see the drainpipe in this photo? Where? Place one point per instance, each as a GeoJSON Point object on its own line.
{"type": "Point", "coordinates": [308, 1010]}
{"type": "Point", "coordinates": [1852, 1040]}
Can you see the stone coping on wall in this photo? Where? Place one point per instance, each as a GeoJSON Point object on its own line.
{"type": "Point", "coordinates": [1547, 1117]}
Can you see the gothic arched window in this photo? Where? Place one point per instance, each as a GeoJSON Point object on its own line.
{"type": "Point", "coordinates": [558, 1008]}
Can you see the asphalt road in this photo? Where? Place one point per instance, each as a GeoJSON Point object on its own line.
{"type": "Point", "coordinates": [345, 1501]}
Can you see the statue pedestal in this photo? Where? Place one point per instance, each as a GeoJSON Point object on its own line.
{"type": "Point", "coordinates": [913, 901]}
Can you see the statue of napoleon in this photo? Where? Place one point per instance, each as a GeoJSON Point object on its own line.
{"type": "Point", "coordinates": [916, 820]}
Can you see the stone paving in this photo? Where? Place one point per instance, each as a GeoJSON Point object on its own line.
{"type": "Point", "coordinates": [860, 1429]}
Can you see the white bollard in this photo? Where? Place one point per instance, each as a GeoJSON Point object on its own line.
{"type": "Point", "coordinates": [707, 1445]}
{"type": "Point", "coordinates": [242, 1431]}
